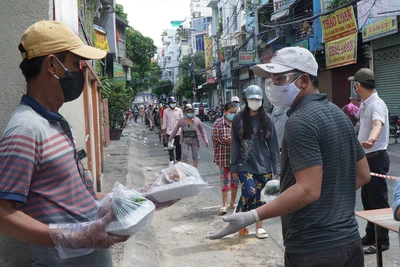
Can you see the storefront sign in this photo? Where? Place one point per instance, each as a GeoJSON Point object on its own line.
{"type": "Point", "coordinates": [339, 24]}
{"type": "Point", "coordinates": [100, 40]}
{"type": "Point", "coordinates": [208, 50]}
{"type": "Point", "coordinates": [377, 18]}
{"type": "Point", "coordinates": [303, 44]}
{"type": "Point", "coordinates": [341, 52]}
{"type": "Point", "coordinates": [379, 29]}
{"type": "Point", "coordinates": [246, 59]}
{"type": "Point", "coordinates": [244, 73]}
{"type": "Point", "coordinates": [119, 72]}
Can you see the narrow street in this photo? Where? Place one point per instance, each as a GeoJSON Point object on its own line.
{"type": "Point", "coordinates": [178, 232]}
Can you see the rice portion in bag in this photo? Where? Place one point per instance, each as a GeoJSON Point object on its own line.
{"type": "Point", "coordinates": [133, 212]}
{"type": "Point", "coordinates": [175, 182]}
{"type": "Point", "coordinates": [271, 191]}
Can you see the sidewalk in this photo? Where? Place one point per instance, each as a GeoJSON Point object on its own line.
{"type": "Point", "coordinates": [123, 162]}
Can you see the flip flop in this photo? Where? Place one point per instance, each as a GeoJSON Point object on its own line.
{"type": "Point", "coordinates": [261, 233]}
{"type": "Point", "coordinates": [232, 206]}
{"type": "Point", "coordinates": [373, 250]}
{"type": "Point", "coordinates": [222, 211]}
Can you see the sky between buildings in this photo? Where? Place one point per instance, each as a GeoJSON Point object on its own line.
{"type": "Point", "coordinates": [151, 17]}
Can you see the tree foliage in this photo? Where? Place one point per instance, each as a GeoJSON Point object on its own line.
{"type": "Point", "coordinates": [188, 67]}
{"type": "Point", "coordinates": [163, 87]}
{"type": "Point", "coordinates": [119, 10]}
{"type": "Point", "coordinates": [140, 50]}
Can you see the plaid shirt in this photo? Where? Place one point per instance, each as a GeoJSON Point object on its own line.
{"type": "Point", "coordinates": [222, 151]}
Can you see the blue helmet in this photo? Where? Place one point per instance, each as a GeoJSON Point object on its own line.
{"type": "Point", "coordinates": [171, 99]}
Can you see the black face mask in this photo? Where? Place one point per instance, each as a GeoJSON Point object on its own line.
{"type": "Point", "coordinates": [72, 83]}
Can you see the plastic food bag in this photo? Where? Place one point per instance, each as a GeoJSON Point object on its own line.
{"type": "Point", "coordinates": [132, 211]}
{"type": "Point", "coordinates": [271, 190]}
{"type": "Point", "coordinates": [171, 145]}
{"type": "Point", "coordinates": [175, 182]}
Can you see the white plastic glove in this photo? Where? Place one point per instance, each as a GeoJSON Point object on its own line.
{"type": "Point", "coordinates": [236, 222]}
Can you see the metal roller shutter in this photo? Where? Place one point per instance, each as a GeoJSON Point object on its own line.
{"type": "Point", "coordinates": [387, 76]}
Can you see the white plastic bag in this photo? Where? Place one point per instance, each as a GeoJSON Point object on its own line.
{"type": "Point", "coordinates": [175, 182]}
{"type": "Point", "coordinates": [171, 145]}
{"type": "Point", "coordinates": [132, 211]}
{"type": "Point", "coordinates": [271, 190]}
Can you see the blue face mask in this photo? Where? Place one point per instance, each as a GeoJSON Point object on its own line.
{"type": "Point", "coordinates": [230, 116]}
{"type": "Point", "coordinates": [238, 105]}
{"type": "Point", "coordinates": [190, 115]}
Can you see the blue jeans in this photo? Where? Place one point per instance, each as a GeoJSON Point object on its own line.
{"type": "Point", "coordinates": [252, 185]}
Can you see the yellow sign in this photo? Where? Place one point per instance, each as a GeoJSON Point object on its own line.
{"type": "Point", "coordinates": [379, 28]}
{"type": "Point", "coordinates": [100, 40]}
{"type": "Point", "coordinates": [341, 52]}
{"type": "Point", "coordinates": [208, 49]}
{"type": "Point", "coordinates": [339, 24]}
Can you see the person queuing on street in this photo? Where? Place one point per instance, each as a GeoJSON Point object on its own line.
{"type": "Point", "coordinates": [322, 166]}
{"type": "Point", "coordinates": [279, 118]}
{"type": "Point", "coordinates": [42, 180]}
{"type": "Point", "coordinates": [164, 138]}
{"type": "Point", "coordinates": [149, 116]}
{"type": "Point", "coordinates": [352, 111]}
{"type": "Point", "coordinates": [396, 204]}
{"type": "Point", "coordinates": [156, 119]}
{"type": "Point", "coordinates": [172, 116]}
{"type": "Point", "coordinates": [129, 116]}
{"type": "Point", "coordinates": [135, 113]}
{"type": "Point", "coordinates": [201, 112]}
{"type": "Point", "coordinates": [236, 100]}
{"type": "Point", "coordinates": [374, 138]}
{"type": "Point", "coordinates": [254, 153]}
{"type": "Point", "coordinates": [221, 137]}
{"type": "Point", "coordinates": [141, 114]}
{"type": "Point", "coordinates": [191, 133]}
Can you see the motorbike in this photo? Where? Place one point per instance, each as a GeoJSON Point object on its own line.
{"type": "Point", "coordinates": [394, 127]}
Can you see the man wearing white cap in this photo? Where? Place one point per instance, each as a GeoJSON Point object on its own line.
{"type": "Point", "coordinates": [322, 165]}
{"type": "Point", "coordinates": [44, 189]}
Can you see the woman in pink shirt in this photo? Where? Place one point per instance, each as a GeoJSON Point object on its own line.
{"type": "Point", "coordinates": [192, 132]}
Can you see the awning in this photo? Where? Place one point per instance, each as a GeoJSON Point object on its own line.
{"type": "Point", "coordinates": [282, 11]}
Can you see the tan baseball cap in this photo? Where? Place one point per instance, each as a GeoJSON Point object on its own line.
{"type": "Point", "coordinates": [48, 37]}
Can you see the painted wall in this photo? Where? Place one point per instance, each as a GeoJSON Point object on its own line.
{"type": "Point", "coordinates": [13, 86]}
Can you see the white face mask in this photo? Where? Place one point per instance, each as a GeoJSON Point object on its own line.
{"type": "Point", "coordinates": [172, 105]}
{"type": "Point", "coordinates": [282, 96]}
{"type": "Point", "coordinates": [254, 104]}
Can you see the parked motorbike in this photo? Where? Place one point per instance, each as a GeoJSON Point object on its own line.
{"type": "Point", "coordinates": [394, 127]}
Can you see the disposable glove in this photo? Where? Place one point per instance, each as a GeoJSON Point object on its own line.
{"type": "Point", "coordinates": [236, 222]}
{"type": "Point", "coordinates": [92, 235]}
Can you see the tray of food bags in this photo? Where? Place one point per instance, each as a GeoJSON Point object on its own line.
{"type": "Point", "coordinates": [175, 182]}
{"type": "Point", "coordinates": [132, 211]}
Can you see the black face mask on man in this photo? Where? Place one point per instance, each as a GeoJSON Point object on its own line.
{"type": "Point", "coordinates": [72, 83]}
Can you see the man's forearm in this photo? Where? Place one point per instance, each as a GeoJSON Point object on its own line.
{"type": "Point", "coordinates": [376, 131]}
{"type": "Point", "coordinates": [292, 199]}
{"type": "Point", "coordinates": [20, 226]}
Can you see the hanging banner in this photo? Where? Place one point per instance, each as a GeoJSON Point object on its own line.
{"type": "Point", "coordinates": [341, 52]}
{"type": "Point", "coordinates": [208, 49]}
{"type": "Point", "coordinates": [100, 40]}
{"type": "Point", "coordinates": [339, 24]}
{"type": "Point", "coordinates": [377, 18]}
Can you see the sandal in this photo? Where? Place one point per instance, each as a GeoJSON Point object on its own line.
{"type": "Point", "coordinates": [232, 206]}
{"type": "Point", "coordinates": [222, 211]}
{"type": "Point", "coordinates": [372, 249]}
{"type": "Point", "coordinates": [261, 233]}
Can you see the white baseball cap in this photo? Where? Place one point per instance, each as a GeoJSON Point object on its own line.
{"type": "Point", "coordinates": [235, 99]}
{"type": "Point", "coordinates": [286, 59]}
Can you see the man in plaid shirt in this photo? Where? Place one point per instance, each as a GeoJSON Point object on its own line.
{"type": "Point", "coordinates": [221, 137]}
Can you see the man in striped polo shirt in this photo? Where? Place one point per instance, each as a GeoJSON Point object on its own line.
{"type": "Point", "coordinates": [322, 165]}
{"type": "Point", "coordinates": [42, 181]}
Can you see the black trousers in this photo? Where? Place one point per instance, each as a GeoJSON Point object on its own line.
{"type": "Point", "coordinates": [177, 144]}
{"type": "Point", "coordinates": [374, 195]}
{"type": "Point", "coordinates": [347, 256]}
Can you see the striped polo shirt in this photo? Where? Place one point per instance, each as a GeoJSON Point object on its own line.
{"type": "Point", "coordinates": [38, 168]}
{"type": "Point", "coordinates": [318, 133]}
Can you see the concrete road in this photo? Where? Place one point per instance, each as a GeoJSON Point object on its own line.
{"type": "Point", "coordinates": [180, 230]}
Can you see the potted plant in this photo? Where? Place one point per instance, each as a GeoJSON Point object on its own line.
{"type": "Point", "coordinates": [119, 101]}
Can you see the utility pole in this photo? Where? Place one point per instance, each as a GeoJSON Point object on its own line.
{"type": "Point", "coordinates": [192, 71]}
{"type": "Point", "coordinates": [256, 33]}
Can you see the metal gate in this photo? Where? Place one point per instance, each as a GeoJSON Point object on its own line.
{"type": "Point", "coordinates": [387, 77]}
